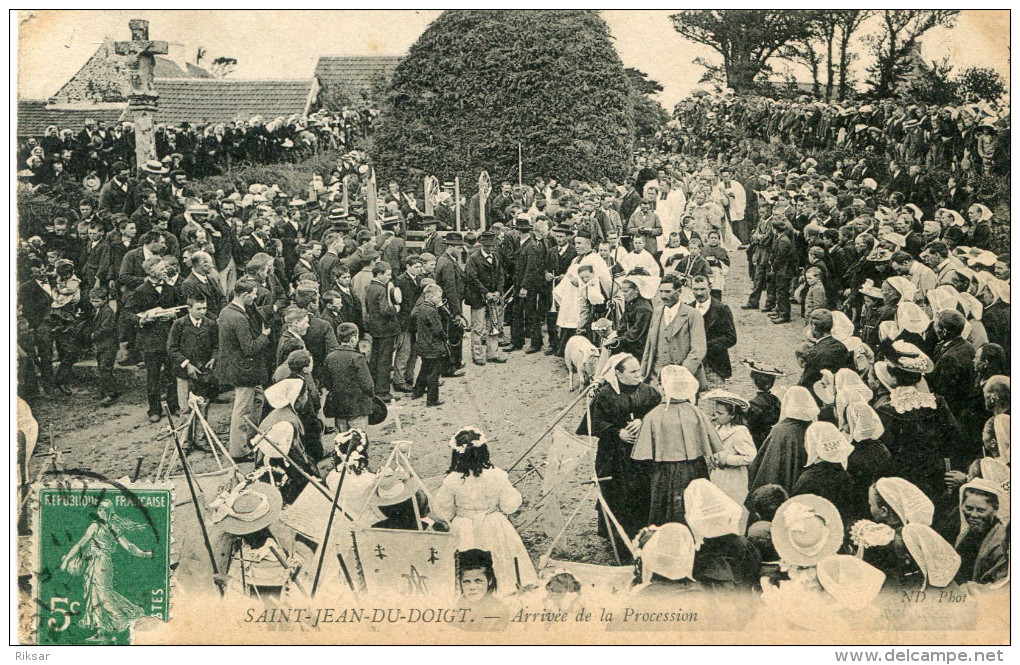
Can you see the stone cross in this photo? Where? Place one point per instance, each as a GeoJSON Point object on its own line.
{"type": "Point", "coordinates": [144, 99]}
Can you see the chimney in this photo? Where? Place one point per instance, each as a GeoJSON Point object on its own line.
{"type": "Point", "coordinates": [176, 54]}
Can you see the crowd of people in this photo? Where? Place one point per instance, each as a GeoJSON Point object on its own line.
{"type": "Point", "coordinates": [89, 158]}
{"type": "Point", "coordinates": [893, 445]}
{"type": "Point", "coordinates": [966, 137]}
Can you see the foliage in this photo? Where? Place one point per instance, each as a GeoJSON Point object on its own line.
{"type": "Point", "coordinates": [649, 115]}
{"type": "Point", "coordinates": [896, 44]}
{"type": "Point", "coordinates": [746, 38]}
{"type": "Point", "coordinates": [223, 66]}
{"type": "Point", "coordinates": [931, 85]}
{"type": "Point", "coordinates": [477, 83]}
{"type": "Point", "coordinates": [980, 84]}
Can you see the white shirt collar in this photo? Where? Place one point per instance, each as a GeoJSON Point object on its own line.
{"type": "Point", "coordinates": [196, 322]}
{"type": "Point", "coordinates": [201, 278]}
{"type": "Point", "coordinates": [703, 306]}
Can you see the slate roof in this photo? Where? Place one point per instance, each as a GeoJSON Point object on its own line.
{"type": "Point", "coordinates": [201, 101]}
{"type": "Point", "coordinates": [352, 73]}
{"type": "Point", "coordinates": [34, 116]}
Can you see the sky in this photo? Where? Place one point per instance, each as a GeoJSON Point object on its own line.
{"type": "Point", "coordinates": [54, 44]}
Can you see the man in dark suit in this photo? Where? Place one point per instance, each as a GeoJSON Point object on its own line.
{"type": "Point", "coordinates": [827, 353]}
{"type": "Point", "coordinates": [113, 195]}
{"type": "Point", "coordinates": [347, 378]}
{"type": "Point", "coordinates": [148, 212]}
{"type": "Point", "coordinates": [450, 278]}
{"type": "Point", "coordinates": [430, 338]}
{"type": "Point", "coordinates": [307, 266]}
{"type": "Point", "coordinates": [295, 322]}
{"type": "Point", "coordinates": [201, 284]}
{"type": "Point", "coordinates": [348, 308]}
{"type": "Point", "coordinates": [953, 377]}
{"type": "Point", "coordinates": [35, 296]}
{"type": "Point", "coordinates": [899, 180]}
{"type": "Point", "coordinates": [153, 333]}
{"type": "Point", "coordinates": [333, 242]}
{"type": "Point", "coordinates": [241, 361]}
{"type": "Point", "coordinates": [381, 323]}
{"type": "Point", "coordinates": [93, 261]}
{"type": "Point", "coordinates": [409, 283]}
{"type": "Point", "coordinates": [782, 268]}
{"type": "Point", "coordinates": [192, 345]}
{"type": "Point", "coordinates": [484, 281]}
{"type": "Point", "coordinates": [720, 333]}
{"type": "Point", "coordinates": [320, 338]}
{"type": "Point", "coordinates": [534, 279]}
{"type": "Point", "coordinates": [131, 273]}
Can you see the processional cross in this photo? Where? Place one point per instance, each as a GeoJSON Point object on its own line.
{"type": "Point", "coordinates": [143, 99]}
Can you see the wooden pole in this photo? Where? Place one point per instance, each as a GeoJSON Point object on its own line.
{"type": "Point", "coordinates": [456, 201]}
{"type": "Point", "coordinates": [194, 497]}
{"type": "Point", "coordinates": [520, 166]}
{"type": "Point", "coordinates": [346, 201]}
{"type": "Point", "coordinates": [324, 542]}
{"type": "Point", "coordinates": [371, 204]}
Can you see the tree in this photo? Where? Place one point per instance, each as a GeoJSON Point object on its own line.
{"type": "Point", "coordinates": [223, 66]}
{"type": "Point", "coordinates": [931, 85]}
{"type": "Point", "coordinates": [848, 21]}
{"type": "Point", "coordinates": [896, 44]}
{"type": "Point", "coordinates": [649, 116]}
{"type": "Point", "coordinates": [980, 84]}
{"type": "Point", "coordinates": [806, 52]}
{"type": "Point", "coordinates": [477, 83]}
{"type": "Point", "coordinates": [746, 38]}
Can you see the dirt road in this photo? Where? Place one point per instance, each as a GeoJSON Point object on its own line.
{"type": "Point", "coordinates": [513, 403]}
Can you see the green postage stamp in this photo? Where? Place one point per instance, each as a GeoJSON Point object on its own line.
{"type": "Point", "coordinates": [102, 561]}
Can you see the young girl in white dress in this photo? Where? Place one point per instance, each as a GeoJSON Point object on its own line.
{"type": "Point", "coordinates": [475, 498]}
{"type": "Point", "coordinates": [730, 472]}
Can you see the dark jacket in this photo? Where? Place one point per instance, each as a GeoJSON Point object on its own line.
{"type": "Point", "coordinates": [320, 340]}
{"type": "Point", "coordinates": [289, 342]}
{"type": "Point", "coordinates": [532, 264]}
{"type": "Point", "coordinates": [131, 275]}
{"type": "Point", "coordinates": [430, 332]}
{"type": "Point", "coordinates": [94, 263]}
{"type": "Point", "coordinates": [720, 336]}
{"type": "Point", "coordinates": [784, 256]}
{"type": "Point", "coordinates": [210, 290]}
{"type": "Point", "coordinates": [450, 277]}
{"type": "Point", "coordinates": [345, 375]}
{"type": "Point", "coordinates": [196, 345]}
{"type": "Point", "coordinates": [953, 375]}
{"type": "Point", "coordinates": [152, 336]}
{"type": "Point", "coordinates": [350, 310]}
{"type": "Point", "coordinates": [828, 353]}
{"type": "Point", "coordinates": [112, 197]}
{"type": "Point", "coordinates": [242, 347]}
{"type": "Point", "coordinates": [482, 277]}
{"type": "Point", "coordinates": [104, 328]}
{"type": "Point", "coordinates": [380, 312]}
{"type": "Point", "coordinates": [326, 265]}
{"type": "Point", "coordinates": [633, 331]}
{"type": "Point", "coordinates": [35, 302]}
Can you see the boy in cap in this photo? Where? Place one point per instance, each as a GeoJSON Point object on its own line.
{"type": "Point", "coordinates": [764, 407]}
{"type": "Point", "coordinates": [104, 336]}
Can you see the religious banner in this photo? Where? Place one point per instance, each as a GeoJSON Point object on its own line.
{"type": "Point", "coordinates": [407, 564]}
{"type": "Point", "coordinates": [565, 453]}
